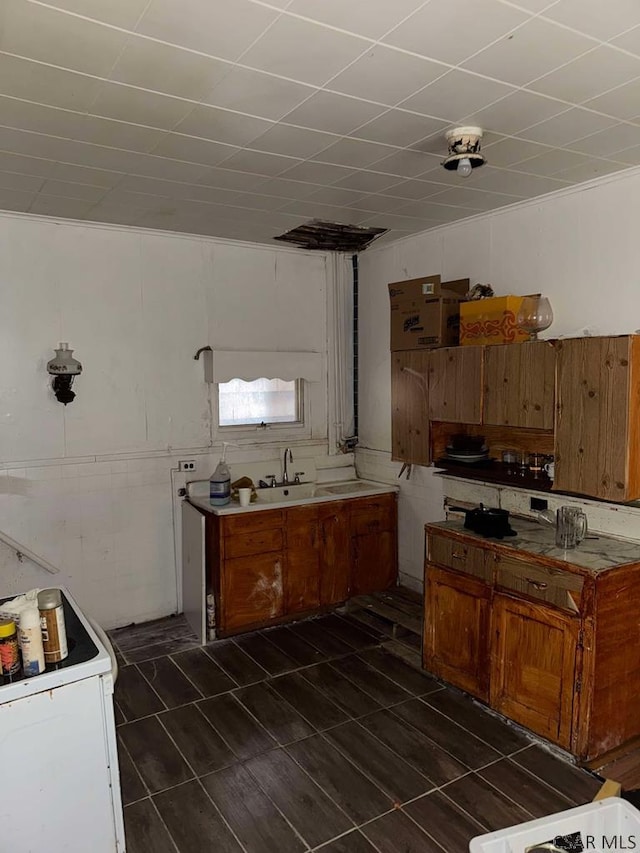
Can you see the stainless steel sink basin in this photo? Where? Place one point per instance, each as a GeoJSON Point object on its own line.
{"type": "Point", "coordinates": [283, 494]}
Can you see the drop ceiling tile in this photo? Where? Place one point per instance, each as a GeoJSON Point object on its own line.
{"type": "Point", "coordinates": [229, 180]}
{"type": "Point", "coordinates": [317, 173]}
{"type": "Point", "coordinates": [591, 74]}
{"type": "Point", "coordinates": [380, 15]}
{"type": "Point", "coordinates": [125, 103]}
{"type": "Point", "coordinates": [139, 164]}
{"type": "Point", "coordinates": [597, 19]}
{"type": "Point", "coordinates": [84, 175]}
{"type": "Point", "coordinates": [408, 164]}
{"type": "Point", "coordinates": [353, 152]}
{"type": "Point", "coordinates": [368, 182]}
{"type": "Point", "coordinates": [193, 150]}
{"type": "Point", "coordinates": [222, 125]}
{"type": "Point", "coordinates": [51, 205]}
{"type": "Point", "coordinates": [386, 75]}
{"type": "Point", "coordinates": [376, 203]}
{"type": "Point", "coordinates": [593, 169]}
{"type": "Point", "coordinates": [16, 200]}
{"type": "Point", "coordinates": [563, 129]}
{"type": "Point", "coordinates": [473, 199]}
{"type": "Point", "coordinates": [282, 188]}
{"type": "Point", "coordinates": [333, 113]}
{"type": "Point", "coordinates": [23, 183]}
{"type": "Point", "coordinates": [608, 142]}
{"type": "Point", "coordinates": [515, 112]}
{"type": "Point", "coordinates": [35, 166]}
{"type": "Point", "coordinates": [335, 195]}
{"type": "Point", "coordinates": [456, 94]}
{"type": "Point", "coordinates": [255, 201]}
{"type": "Point", "coordinates": [515, 183]}
{"type": "Point", "coordinates": [294, 141]}
{"type": "Point", "coordinates": [285, 49]}
{"type": "Point", "coordinates": [224, 29]}
{"type": "Point", "coordinates": [552, 162]}
{"type": "Point", "coordinates": [629, 41]}
{"type": "Point", "coordinates": [415, 190]}
{"type": "Point", "coordinates": [120, 13]}
{"type": "Point", "coordinates": [630, 156]}
{"type": "Point", "coordinates": [22, 78]}
{"type": "Point", "coordinates": [257, 93]}
{"type": "Point", "coordinates": [48, 35]}
{"type": "Point", "coordinates": [411, 224]}
{"type": "Point", "coordinates": [259, 164]}
{"type": "Point", "coordinates": [622, 102]}
{"type": "Point", "coordinates": [506, 152]}
{"type": "Point", "coordinates": [440, 31]}
{"type": "Point", "coordinates": [431, 210]}
{"type": "Point", "coordinates": [329, 212]}
{"type": "Point", "coordinates": [534, 49]}
{"type": "Point", "coordinates": [398, 127]}
{"type": "Point", "coordinates": [176, 189]}
{"type": "Point", "coordinates": [168, 69]}
{"type": "Point", "coordinates": [68, 189]}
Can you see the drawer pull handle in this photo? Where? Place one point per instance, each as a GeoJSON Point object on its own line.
{"type": "Point", "coordinates": [540, 585]}
{"type": "Point", "coordinates": [462, 556]}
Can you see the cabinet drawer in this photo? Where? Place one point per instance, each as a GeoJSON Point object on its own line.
{"type": "Point", "coordinates": [554, 586]}
{"type": "Point", "coordinates": [251, 520]}
{"type": "Point", "coordinates": [253, 542]}
{"type": "Point", "coordinates": [460, 556]}
{"type": "Point", "coordinates": [372, 517]}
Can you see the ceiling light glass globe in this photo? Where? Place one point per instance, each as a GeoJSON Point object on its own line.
{"type": "Point", "coordinates": [464, 167]}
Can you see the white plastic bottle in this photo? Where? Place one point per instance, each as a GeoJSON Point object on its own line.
{"type": "Point", "coordinates": [30, 641]}
{"type": "Point", "coordinates": [220, 481]}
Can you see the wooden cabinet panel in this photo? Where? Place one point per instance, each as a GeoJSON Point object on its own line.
{"type": "Point", "coordinates": [533, 670]}
{"type": "Point", "coordinates": [454, 554]}
{"type": "Point", "coordinates": [253, 542]}
{"type": "Point", "coordinates": [233, 525]}
{"type": "Point", "coordinates": [592, 423]}
{"type": "Point", "coordinates": [251, 591]}
{"type": "Point", "coordinates": [409, 407]}
{"type": "Point", "coordinates": [373, 515]}
{"type": "Point", "coordinates": [456, 630]}
{"type": "Point", "coordinates": [553, 586]}
{"type": "Point", "coordinates": [335, 552]}
{"type": "Point", "coordinates": [374, 562]}
{"type": "Point", "coordinates": [519, 385]}
{"type": "Point", "coordinates": [302, 560]}
{"type": "Point", "coordinates": [455, 384]}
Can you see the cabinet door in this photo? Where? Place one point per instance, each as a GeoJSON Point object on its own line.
{"type": "Point", "coordinates": [374, 562]}
{"type": "Point", "coordinates": [592, 438]}
{"type": "Point", "coordinates": [519, 385]}
{"type": "Point", "coordinates": [409, 407]}
{"type": "Point", "coordinates": [455, 384]}
{"type": "Point", "coordinates": [533, 666]}
{"type": "Point", "coordinates": [335, 552]}
{"type": "Point", "coordinates": [302, 560]}
{"type": "Point", "coordinates": [456, 630]}
{"type": "Point", "coordinates": [250, 590]}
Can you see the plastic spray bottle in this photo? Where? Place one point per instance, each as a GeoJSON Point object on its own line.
{"type": "Point", "coordinates": [220, 481]}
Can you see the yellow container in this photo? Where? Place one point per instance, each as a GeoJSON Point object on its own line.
{"type": "Point", "coordinates": [491, 321]}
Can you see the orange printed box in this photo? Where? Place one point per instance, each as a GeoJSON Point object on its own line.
{"type": "Point", "coordinates": [491, 321]}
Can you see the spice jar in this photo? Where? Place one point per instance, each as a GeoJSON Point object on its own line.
{"type": "Point", "coordinates": [54, 634]}
{"type": "Point", "coordinates": [9, 654]}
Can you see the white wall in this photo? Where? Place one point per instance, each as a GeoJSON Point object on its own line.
{"type": "Point", "coordinates": [89, 486]}
{"type": "Point", "coordinates": [580, 248]}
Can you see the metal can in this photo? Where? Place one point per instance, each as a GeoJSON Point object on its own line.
{"type": "Point", "coordinates": [54, 634]}
{"type": "Point", "coordinates": [9, 654]}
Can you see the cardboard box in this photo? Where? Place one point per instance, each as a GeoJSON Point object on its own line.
{"type": "Point", "coordinates": [425, 323]}
{"type": "Point", "coordinates": [491, 321]}
{"type": "Point", "coordinates": [427, 286]}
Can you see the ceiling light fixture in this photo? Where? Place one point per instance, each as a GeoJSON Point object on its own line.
{"type": "Point", "coordinates": [464, 150]}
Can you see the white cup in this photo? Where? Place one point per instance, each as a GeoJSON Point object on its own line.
{"type": "Point", "coordinates": [549, 469]}
{"type": "Point", "coordinates": [244, 495]}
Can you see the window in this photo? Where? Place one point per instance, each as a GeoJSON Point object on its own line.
{"type": "Point", "coordinates": [263, 401]}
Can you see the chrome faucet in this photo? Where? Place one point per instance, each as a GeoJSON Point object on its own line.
{"type": "Point", "coordinates": [285, 475]}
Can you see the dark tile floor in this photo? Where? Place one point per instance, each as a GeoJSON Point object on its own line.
{"type": "Point", "coordinates": [315, 736]}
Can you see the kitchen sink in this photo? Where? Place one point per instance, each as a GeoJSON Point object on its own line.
{"type": "Point", "coordinates": [284, 494]}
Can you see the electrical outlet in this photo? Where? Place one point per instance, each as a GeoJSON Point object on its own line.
{"type": "Point", "coordinates": [187, 465]}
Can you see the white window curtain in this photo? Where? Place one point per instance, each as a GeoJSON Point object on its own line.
{"type": "Point", "coordinates": [231, 364]}
{"type": "Point", "coordinates": [341, 351]}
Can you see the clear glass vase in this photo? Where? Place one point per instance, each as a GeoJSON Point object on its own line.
{"type": "Point", "coordinates": [535, 315]}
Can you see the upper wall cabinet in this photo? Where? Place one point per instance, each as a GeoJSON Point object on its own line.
{"type": "Point", "coordinates": [455, 384]}
{"type": "Point", "coordinates": [598, 417]}
{"type": "Point", "coordinates": [409, 407]}
{"type": "Point", "coordinates": [519, 384]}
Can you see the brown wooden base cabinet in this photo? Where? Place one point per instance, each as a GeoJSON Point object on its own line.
{"type": "Point", "coordinates": [552, 646]}
{"type": "Point", "coordinates": [276, 564]}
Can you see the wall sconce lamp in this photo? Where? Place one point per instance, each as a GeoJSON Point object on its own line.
{"type": "Point", "coordinates": [464, 150]}
{"type": "Point", "coordinates": [64, 367]}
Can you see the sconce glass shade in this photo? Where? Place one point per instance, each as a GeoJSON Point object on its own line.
{"type": "Point", "coordinates": [64, 367]}
{"type": "Point", "coordinates": [535, 315]}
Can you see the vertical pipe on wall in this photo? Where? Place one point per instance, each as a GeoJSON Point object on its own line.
{"type": "Point", "coordinates": [354, 265]}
